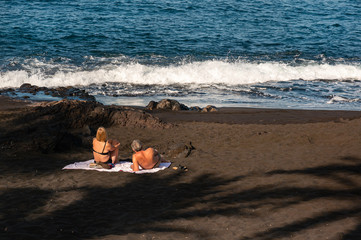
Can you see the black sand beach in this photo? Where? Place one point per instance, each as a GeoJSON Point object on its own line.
{"type": "Point", "coordinates": [253, 174]}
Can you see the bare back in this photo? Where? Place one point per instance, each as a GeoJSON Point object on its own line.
{"type": "Point", "coordinates": [100, 147]}
{"type": "Point", "coordinates": [146, 159]}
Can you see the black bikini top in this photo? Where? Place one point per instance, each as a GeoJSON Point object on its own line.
{"type": "Point", "coordinates": [102, 153]}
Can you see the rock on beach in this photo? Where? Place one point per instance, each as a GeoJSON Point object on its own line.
{"type": "Point", "coordinates": [174, 105]}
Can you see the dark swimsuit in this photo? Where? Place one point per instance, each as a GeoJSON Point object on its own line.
{"type": "Point", "coordinates": [103, 153]}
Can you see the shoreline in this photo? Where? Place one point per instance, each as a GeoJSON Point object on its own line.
{"type": "Point", "coordinates": [231, 115]}
{"type": "Point", "coordinates": [238, 115]}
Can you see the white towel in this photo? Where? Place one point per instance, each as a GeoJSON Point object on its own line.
{"type": "Point", "coordinates": [119, 167]}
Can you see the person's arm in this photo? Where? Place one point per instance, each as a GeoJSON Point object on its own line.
{"type": "Point", "coordinates": [112, 145]}
{"type": "Point", "coordinates": [135, 165]}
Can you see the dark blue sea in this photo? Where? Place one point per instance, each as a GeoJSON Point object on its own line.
{"type": "Point", "coordinates": [272, 54]}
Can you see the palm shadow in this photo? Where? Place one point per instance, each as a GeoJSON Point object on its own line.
{"type": "Point", "coordinates": [144, 204]}
{"type": "Point", "coordinates": [285, 197]}
{"type": "Point", "coordinates": [152, 203]}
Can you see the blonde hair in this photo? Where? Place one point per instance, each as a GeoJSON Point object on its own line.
{"type": "Point", "coordinates": [136, 145]}
{"type": "Point", "coordinates": [101, 134]}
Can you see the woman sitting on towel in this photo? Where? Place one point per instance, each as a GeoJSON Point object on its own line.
{"type": "Point", "coordinates": [105, 150]}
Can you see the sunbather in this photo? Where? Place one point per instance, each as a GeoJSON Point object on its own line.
{"type": "Point", "coordinates": [105, 150]}
{"type": "Point", "coordinates": [147, 159]}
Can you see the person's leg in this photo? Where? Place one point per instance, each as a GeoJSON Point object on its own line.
{"type": "Point", "coordinates": [115, 153]}
{"type": "Point", "coordinates": [114, 156]}
{"type": "Point", "coordinates": [158, 157]}
{"type": "Point", "coordinates": [104, 165]}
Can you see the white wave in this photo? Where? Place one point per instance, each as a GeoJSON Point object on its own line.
{"type": "Point", "coordinates": [206, 72]}
{"type": "Point", "coordinates": [336, 99]}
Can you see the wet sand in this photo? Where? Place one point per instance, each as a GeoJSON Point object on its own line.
{"type": "Point", "coordinates": [254, 174]}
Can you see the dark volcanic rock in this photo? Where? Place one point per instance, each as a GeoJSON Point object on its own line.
{"type": "Point", "coordinates": [166, 104]}
{"type": "Point", "coordinates": [77, 114]}
{"type": "Point", "coordinates": [196, 108]}
{"type": "Point", "coordinates": [71, 92]}
{"type": "Point", "coordinates": [210, 108]}
{"type": "Point", "coordinates": [62, 92]}
{"type": "Point", "coordinates": [10, 91]}
{"type": "Point", "coordinates": [26, 86]}
{"type": "Point", "coordinates": [180, 150]}
{"type": "Point", "coordinates": [173, 105]}
{"type": "Point", "coordinates": [67, 124]}
{"type": "Point", "coordinates": [152, 105]}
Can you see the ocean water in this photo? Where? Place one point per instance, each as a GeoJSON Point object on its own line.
{"type": "Point", "coordinates": [272, 54]}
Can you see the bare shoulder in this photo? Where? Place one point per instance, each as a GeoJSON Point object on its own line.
{"type": "Point", "coordinates": [136, 156]}
{"type": "Point", "coordinates": [150, 150]}
{"type": "Point", "coordinates": [140, 154]}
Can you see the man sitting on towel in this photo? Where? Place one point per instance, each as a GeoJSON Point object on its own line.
{"type": "Point", "coordinates": [147, 159]}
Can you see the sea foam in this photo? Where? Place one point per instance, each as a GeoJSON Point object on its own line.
{"type": "Point", "coordinates": [206, 72]}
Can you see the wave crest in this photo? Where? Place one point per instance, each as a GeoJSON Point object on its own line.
{"type": "Point", "coordinates": [205, 72]}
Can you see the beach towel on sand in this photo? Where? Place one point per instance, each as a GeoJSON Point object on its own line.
{"type": "Point", "coordinates": [119, 167]}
